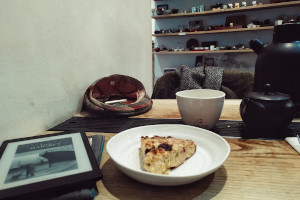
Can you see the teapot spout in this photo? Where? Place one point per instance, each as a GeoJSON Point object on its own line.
{"type": "Point", "coordinates": [257, 46]}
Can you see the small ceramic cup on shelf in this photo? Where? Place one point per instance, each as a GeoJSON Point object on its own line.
{"type": "Point", "coordinates": [200, 107]}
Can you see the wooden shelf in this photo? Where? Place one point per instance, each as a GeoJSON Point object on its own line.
{"type": "Point", "coordinates": [230, 10]}
{"type": "Point", "coordinates": [214, 31]}
{"type": "Point", "coordinates": [202, 52]}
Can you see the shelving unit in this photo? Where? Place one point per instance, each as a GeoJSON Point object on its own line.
{"type": "Point", "coordinates": [230, 10]}
{"type": "Point", "coordinates": [214, 31]}
{"type": "Point", "coordinates": [224, 37]}
{"type": "Point", "coordinates": [203, 52]}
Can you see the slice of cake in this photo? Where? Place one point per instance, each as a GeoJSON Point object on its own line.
{"type": "Point", "coordinates": [160, 154]}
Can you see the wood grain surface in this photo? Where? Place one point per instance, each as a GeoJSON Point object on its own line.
{"type": "Point", "coordinates": [255, 169]}
{"type": "Point", "coordinates": [167, 108]}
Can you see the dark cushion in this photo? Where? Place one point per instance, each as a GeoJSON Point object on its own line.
{"type": "Point", "coordinates": [235, 83]}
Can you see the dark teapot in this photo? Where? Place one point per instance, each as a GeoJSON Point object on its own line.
{"type": "Point", "coordinates": [278, 63]}
{"type": "Point", "coordinates": [267, 114]}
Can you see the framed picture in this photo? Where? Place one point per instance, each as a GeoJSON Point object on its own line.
{"type": "Point", "coordinates": [48, 164]}
{"type": "Point", "coordinates": [208, 62]}
{"type": "Point", "coordinates": [164, 6]}
{"type": "Point", "coordinates": [199, 61]}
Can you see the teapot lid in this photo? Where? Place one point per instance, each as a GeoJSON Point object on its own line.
{"type": "Point", "coordinates": [268, 96]}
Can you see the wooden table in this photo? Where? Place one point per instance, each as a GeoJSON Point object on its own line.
{"type": "Point", "coordinates": [255, 169]}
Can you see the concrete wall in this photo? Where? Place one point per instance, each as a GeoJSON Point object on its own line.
{"type": "Point", "coordinates": [51, 51]}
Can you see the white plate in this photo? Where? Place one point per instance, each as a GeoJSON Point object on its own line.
{"type": "Point", "coordinates": [212, 151]}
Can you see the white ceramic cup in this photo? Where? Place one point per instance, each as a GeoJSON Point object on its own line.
{"type": "Point", "coordinates": [200, 107]}
{"type": "Point", "coordinates": [278, 22]}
